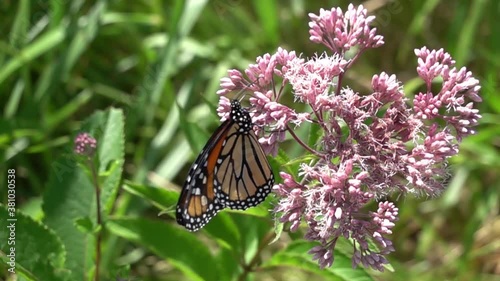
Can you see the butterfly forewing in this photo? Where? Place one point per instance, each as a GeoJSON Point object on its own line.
{"type": "Point", "coordinates": [198, 203]}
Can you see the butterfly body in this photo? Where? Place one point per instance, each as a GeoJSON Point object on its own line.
{"type": "Point", "coordinates": [231, 171]}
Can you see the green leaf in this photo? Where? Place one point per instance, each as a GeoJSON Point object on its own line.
{"type": "Point", "coordinates": [39, 253]}
{"type": "Point", "coordinates": [252, 230]}
{"type": "Point", "coordinates": [261, 210]}
{"type": "Point", "coordinates": [451, 196]}
{"type": "Point", "coordinates": [70, 193]}
{"type": "Point", "coordinates": [160, 197]}
{"type": "Point", "coordinates": [268, 17]}
{"type": "Point", "coordinates": [84, 225]}
{"type": "Point", "coordinates": [192, 11]}
{"type": "Point", "coordinates": [43, 44]}
{"type": "Point", "coordinates": [20, 26]}
{"type": "Point", "coordinates": [107, 127]}
{"type": "Point", "coordinates": [33, 208]}
{"type": "Point", "coordinates": [69, 108]}
{"type": "Point", "coordinates": [227, 264]}
{"type": "Point", "coordinates": [315, 133]}
{"type": "Point", "coordinates": [295, 255]}
{"type": "Point", "coordinates": [68, 197]}
{"type": "Point", "coordinates": [12, 105]}
{"type": "Point", "coordinates": [180, 247]}
{"type": "Point", "coordinates": [84, 36]}
{"type": "Point", "coordinates": [194, 134]}
{"type": "Point", "coordinates": [111, 153]}
{"type": "Point", "coordinates": [282, 159]}
{"type": "Point", "coordinates": [278, 230]}
{"type": "Point", "coordinates": [221, 227]}
{"type": "Point", "coordinates": [469, 30]}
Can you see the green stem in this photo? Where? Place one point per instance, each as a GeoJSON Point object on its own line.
{"type": "Point", "coordinates": [99, 220]}
{"type": "Point", "coordinates": [247, 268]}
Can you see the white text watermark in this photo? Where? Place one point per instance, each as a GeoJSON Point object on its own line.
{"type": "Point", "coordinates": [11, 220]}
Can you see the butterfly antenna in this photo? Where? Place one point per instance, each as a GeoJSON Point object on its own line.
{"type": "Point", "coordinates": [241, 94]}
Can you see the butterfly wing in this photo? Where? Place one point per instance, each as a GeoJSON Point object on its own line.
{"type": "Point", "coordinates": [197, 203]}
{"type": "Point", "coordinates": [244, 173]}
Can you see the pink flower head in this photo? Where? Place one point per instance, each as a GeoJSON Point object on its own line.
{"type": "Point", "coordinates": [85, 144]}
{"type": "Point", "coordinates": [265, 110]}
{"type": "Point", "coordinates": [382, 222]}
{"type": "Point", "coordinates": [313, 78]}
{"type": "Point", "coordinates": [340, 32]}
{"type": "Point", "coordinates": [449, 103]}
{"type": "Point", "coordinates": [224, 108]}
{"type": "Point", "coordinates": [292, 208]}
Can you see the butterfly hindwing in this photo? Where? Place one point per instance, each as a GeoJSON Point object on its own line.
{"type": "Point", "coordinates": [244, 173]}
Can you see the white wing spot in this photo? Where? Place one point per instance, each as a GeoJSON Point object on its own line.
{"type": "Point", "coordinates": [204, 200]}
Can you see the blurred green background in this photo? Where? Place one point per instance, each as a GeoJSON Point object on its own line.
{"type": "Point", "coordinates": [62, 60]}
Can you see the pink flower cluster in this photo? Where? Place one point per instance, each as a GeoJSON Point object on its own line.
{"type": "Point", "coordinates": [85, 144]}
{"type": "Point", "coordinates": [372, 144]}
{"type": "Point", "coordinates": [341, 31]}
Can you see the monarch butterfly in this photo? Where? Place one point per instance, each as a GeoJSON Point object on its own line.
{"type": "Point", "coordinates": [231, 171]}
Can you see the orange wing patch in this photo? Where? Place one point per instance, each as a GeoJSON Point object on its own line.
{"type": "Point", "coordinates": [212, 162]}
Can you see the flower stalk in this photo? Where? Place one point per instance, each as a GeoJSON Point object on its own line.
{"type": "Point", "coordinates": [85, 146]}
